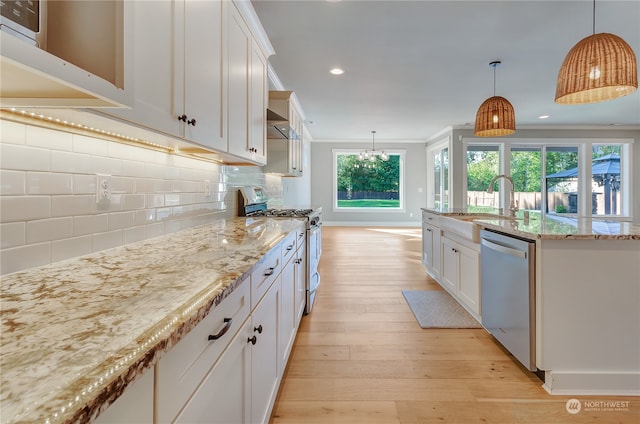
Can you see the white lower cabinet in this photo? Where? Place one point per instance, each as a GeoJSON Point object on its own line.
{"type": "Point", "coordinates": [135, 406]}
{"type": "Point", "coordinates": [223, 397]}
{"type": "Point", "coordinates": [228, 369]}
{"type": "Point", "coordinates": [264, 355]}
{"type": "Point", "coordinates": [461, 273]}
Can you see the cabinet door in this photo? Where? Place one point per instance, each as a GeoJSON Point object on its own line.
{"type": "Point", "coordinates": [264, 355]}
{"type": "Point", "coordinates": [238, 55]}
{"type": "Point", "coordinates": [427, 246]}
{"type": "Point", "coordinates": [449, 265]}
{"type": "Point", "coordinates": [204, 78]}
{"type": "Point", "coordinates": [134, 406]}
{"type": "Point", "coordinates": [469, 278]}
{"type": "Point", "coordinates": [287, 321]}
{"type": "Point", "coordinates": [224, 395]}
{"type": "Point", "coordinates": [158, 25]}
{"type": "Point", "coordinates": [259, 94]}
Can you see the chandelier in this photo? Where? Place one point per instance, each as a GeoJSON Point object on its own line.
{"type": "Point", "coordinates": [371, 155]}
{"type": "Point", "coordinates": [600, 67]}
{"type": "Point", "coordinates": [495, 116]}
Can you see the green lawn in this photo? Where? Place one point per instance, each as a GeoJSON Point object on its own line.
{"type": "Point", "coordinates": [365, 203]}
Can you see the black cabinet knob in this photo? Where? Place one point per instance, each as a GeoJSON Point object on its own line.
{"type": "Point", "coordinates": [252, 340]}
{"type": "Point", "coordinates": [191, 122]}
{"type": "Point", "coordinates": [258, 329]}
{"type": "Point", "coordinates": [182, 118]}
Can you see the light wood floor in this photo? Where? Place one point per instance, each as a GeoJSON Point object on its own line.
{"type": "Point", "coordinates": [360, 356]}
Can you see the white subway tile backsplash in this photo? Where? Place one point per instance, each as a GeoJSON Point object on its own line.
{"type": "Point", "coordinates": [89, 224]}
{"type": "Point", "coordinates": [119, 220]}
{"type": "Point", "coordinates": [70, 248]}
{"type": "Point", "coordinates": [12, 234]}
{"type": "Point", "coordinates": [145, 216]}
{"type": "Point", "coordinates": [18, 157]}
{"type": "Point", "coordinates": [48, 138]}
{"type": "Point", "coordinates": [108, 240]}
{"type": "Point", "coordinates": [24, 208]}
{"type": "Point", "coordinates": [133, 201]}
{"type": "Point", "coordinates": [73, 163]}
{"type": "Point", "coordinates": [48, 209]}
{"type": "Point", "coordinates": [23, 257]}
{"type": "Point", "coordinates": [104, 165]}
{"type": "Point", "coordinates": [13, 132]}
{"type": "Point", "coordinates": [133, 234]}
{"type": "Point", "coordinates": [90, 146]}
{"type": "Point", "coordinates": [49, 183]}
{"type": "Point", "coordinates": [49, 229]}
{"type": "Point", "coordinates": [73, 205]}
{"type": "Point", "coordinates": [84, 184]}
{"type": "Point", "coordinates": [12, 183]}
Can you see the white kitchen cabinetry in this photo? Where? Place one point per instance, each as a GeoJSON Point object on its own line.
{"type": "Point", "coordinates": [247, 95]}
{"type": "Point", "coordinates": [190, 363]}
{"type": "Point", "coordinates": [83, 58]}
{"type": "Point", "coordinates": [223, 397]}
{"type": "Point", "coordinates": [265, 374]}
{"type": "Point", "coordinates": [180, 78]}
{"type": "Point", "coordinates": [284, 138]}
{"type": "Point", "coordinates": [134, 406]}
{"type": "Point", "coordinates": [461, 273]}
{"type": "Point", "coordinates": [431, 244]}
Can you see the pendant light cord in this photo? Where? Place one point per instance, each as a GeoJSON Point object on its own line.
{"type": "Point", "coordinates": [594, 16]}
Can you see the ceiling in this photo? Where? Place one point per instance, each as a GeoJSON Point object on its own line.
{"type": "Point", "coordinates": [414, 68]}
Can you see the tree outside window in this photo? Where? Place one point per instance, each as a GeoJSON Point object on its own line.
{"type": "Point", "coordinates": [369, 184]}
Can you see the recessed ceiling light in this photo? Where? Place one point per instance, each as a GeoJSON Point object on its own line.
{"type": "Point", "coordinates": [543, 116]}
{"type": "Point", "coordinates": [337, 71]}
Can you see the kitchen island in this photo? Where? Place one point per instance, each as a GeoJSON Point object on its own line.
{"type": "Point", "coordinates": [587, 299]}
{"type": "Point", "coordinates": [77, 333]}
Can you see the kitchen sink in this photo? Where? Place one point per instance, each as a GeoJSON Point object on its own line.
{"type": "Point", "coordinates": [462, 225]}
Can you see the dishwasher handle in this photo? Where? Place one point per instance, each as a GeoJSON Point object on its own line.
{"type": "Point", "coordinates": [504, 249]}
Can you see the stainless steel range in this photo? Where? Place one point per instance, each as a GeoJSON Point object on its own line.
{"type": "Point", "coordinates": [252, 201]}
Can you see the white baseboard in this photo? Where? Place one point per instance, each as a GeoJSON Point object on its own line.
{"type": "Point", "coordinates": [593, 384]}
{"type": "Point", "coordinates": [371, 224]}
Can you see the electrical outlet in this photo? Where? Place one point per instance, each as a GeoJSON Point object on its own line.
{"type": "Point", "coordinates": [103, 188]}
{"type": "Point", "coordinates": [207, 188]}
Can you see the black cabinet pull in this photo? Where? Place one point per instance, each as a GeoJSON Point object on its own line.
{"type": "Point", "coordinates": [182, 118]}
{"type": "Point", "coordinates": [191, 122]}
{"type": "Point", "coordinates": [290, 247]}
{"type": "Point", "coordinates": [258, 329]}
{"type": "Point", "coordinates": [270, 272]}
{"type": "Point", "coordinates": [223, 331]}
{"type": "Point", "coordinates": [252, 340]}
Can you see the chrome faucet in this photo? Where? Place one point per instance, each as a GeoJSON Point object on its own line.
{"type": "Point", "coordinates": [512, 206]}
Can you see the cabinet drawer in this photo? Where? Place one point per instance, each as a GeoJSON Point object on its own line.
{"type": "Point", "coordinates": [288, 247]}
{"type": "Point", "coordinates": [182, 369]}
{"type": "Point", "coordinates": [265, 274]}
{"type": "Point", "coordinates": [431, 218]}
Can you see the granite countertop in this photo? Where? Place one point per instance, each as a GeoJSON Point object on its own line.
{"type": "Point", "coordinates": [76, 333]}
{"type": "Point", "coordinates": [551, 227]}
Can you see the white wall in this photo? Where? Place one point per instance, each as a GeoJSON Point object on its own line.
{"type": "Point", "coordinates": [48, 209]}
{"type": "Point", "coordinates": [415, 179]}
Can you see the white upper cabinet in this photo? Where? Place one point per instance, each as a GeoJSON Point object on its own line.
{"type": "Point", "coordinates": [82, 57]}
{"type": "Point", "coordinates": [248, 91]}
{"type": "Point", "coordinates": [179, 70]}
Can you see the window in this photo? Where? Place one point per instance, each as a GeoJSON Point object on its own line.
{"type": "Point", "coordinates": [368, 185]}
{"type": "Point", "coordinates": [553, 177]}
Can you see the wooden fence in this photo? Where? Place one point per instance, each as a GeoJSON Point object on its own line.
{"type": "Point", "coordinates": [558, 202]}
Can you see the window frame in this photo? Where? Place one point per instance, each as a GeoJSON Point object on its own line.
{"type": "Point", "coordinates": [401, 189]}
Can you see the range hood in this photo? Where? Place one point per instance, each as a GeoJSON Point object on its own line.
{"type": "Point", "coordinates": [283, 119]}
{"type": "Point", "coordinates": [279, 127]}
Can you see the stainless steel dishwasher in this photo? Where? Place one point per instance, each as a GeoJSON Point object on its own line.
{"type": "Point", "coordinates": [508, 293]}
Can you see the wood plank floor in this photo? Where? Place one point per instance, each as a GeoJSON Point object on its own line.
{"type": "Point", "coordinates": [360, 356]}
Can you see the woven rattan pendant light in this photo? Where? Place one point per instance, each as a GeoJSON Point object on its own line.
{"type": "Point", "coordinates": [600, 67]}
{"type": "Point", "coordinates": [495, 116]}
